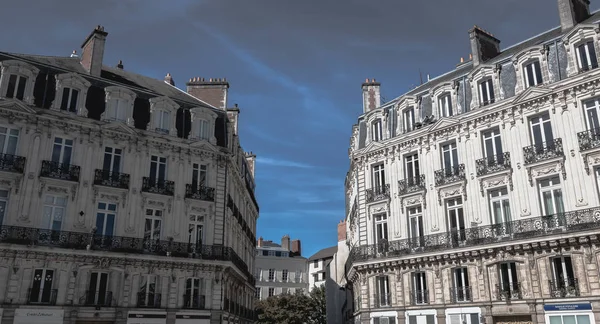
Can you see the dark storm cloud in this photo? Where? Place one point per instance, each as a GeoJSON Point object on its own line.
{"type": "Point", "coordinates": [295, 69]}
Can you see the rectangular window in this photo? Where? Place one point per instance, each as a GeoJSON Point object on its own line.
{"type": "Point", "coordinates": [112, 159]}
{"type": "Point", "coordinates": [203, 130]}
{"type": "Point", "coordinates": [376, 131]}
{"type": "Point", "coordinates": [8, 140]}
{"type": "Point", "coordinates": [105, 220]}
{"type": "Point", "coordinates": [500, 206]}
{"type": "Point", "coordinates": [411, 170]}
{"type": "Point", "coordinates": [62, 150]}
{"type": "Point", "coordinates": [533, 74]}
{"type": "Point", "coordinates": [383, 291]}
{"type": "Point", "coordinates": [158, 168]}
{"type": "Point", "coordinates": [152, 227]}
{"type": "Point", "coordinates": [486, 92]}
{"type": "Point", "coordinates": [163, 121]}
{"type": "Point", "coordinates": [551, 196]}
{"type": "Point", "coordinates": [194, 293]}
{"type": "Point", "coordinates": [271, 274]}
{"type": "Point", "coordinates": [456, 220]}
{"type": "Point", "coordinates": [450, 158]}
{"type": "Point", "coordinates": [271, 291]}
{"type": "Point", "coordinates": [98, 293]}
{"type": "Point", "coordinates": [3, 204]}
{"type": "Point", "coordinates": [420, 292]}
{"type": "Point", "coordinates": [586, 56]}
{"type": "Point", "coordinates": [381, 228]}
{"type": "Point", "coordinates": [425, 319]}
{"type": "Point", "coordinates": [41, 290]}
{"type": "Point", "coordinates": [492, 147]}
{"type": "Point", "coordinates": [592, 111]}
{"type": "Point", "coordinates": [409, 119]}
{"type": "Point", "coordinates": [16, 86]}
{"type": "Point", "coordinates": [541, 132]}
{"type": "Point", "coordinates": [378, 177]}
{"type": "Point", "coordinates": [69, 99]}
{"type": "Point", "coordinates": [149, 291]}
{"type": "Point", "coordinates": [258, 292]}
{"type": "Point", "coordinates": [564, 283]}
{"type": "Point", "coordinates": [445, 105]}
{"type": "Point", "coordinates": [119, 110]}
{"type": "Point", "coordinates": [298, 276]}
{"type": "Point", "coordinates": [415, 226]}
{"type": "Point", "coordinates": [54, 212]}
{"type": "Point", "coordinates": [464, 318]}
{"type": "Point", "coordinates": [199, 172]}
{"type": "Point", "coordinates": [284, 275]}
{"type": "Point", "coordinates": [462, 290]}
{"type": "Point", "coordinates": [196, 230]}
{"type": "Point", "coordinates": [570, 319]}
{"type": "Point", "coordinates": [508, 281]}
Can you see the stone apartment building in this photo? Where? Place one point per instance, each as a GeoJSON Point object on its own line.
{"type": "Point", "coordinates": [123, 199]}
{"type": "Point", "coordinates": [474, 198]}
{"type": "Point", "coordinates": [280, 268]}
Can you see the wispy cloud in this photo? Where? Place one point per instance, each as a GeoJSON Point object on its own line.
{"type": "Point", "coordinates": [282, 163]}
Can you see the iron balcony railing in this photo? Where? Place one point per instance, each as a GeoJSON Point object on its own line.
{"type": "Point", "coordinates": [158, 186]}
{"type": "Point", "coordinates": [544, 151]}
{"type": "Point", "coordinates": [568, 287]}
{"type": "Point", "coordinates": [148, 300]}
{"type": "Point", "coordinates": [84, 241]}
{"type": "Point", "coordinates": [382, 300]}
{"type": "Point", "coordinates": [449, 175]}
{"type": "Point", "coordinates": [573, 221]}
{"type": "Point", "coordinates": [461, 294]}
{"type": "Point", "coordinates": [113, 179]}
{"type": "Point", "coordinates": [378, 193]}
{"type": "Point", "coordinates": [510, 291]}
{"type": "Point", "coordinates": [12, 163]}
{"type": "Point", "coordinates": [493, 164]}
{"type": "Point", "coordinates": [419, 297]}
{"type": "Point", "coordinates": [97, 298]}
{"type": "Point", "coordinates": [410, 185]}
{"type": "Point", "coordinates": [194, 301]}
{"type": "Point", "coordinates": [589, 139]}
{"type": "Point", "coordinates": [199, 192]}
{"type": "Point", "coordinates": [61, 171]}
{"type": "Point", "coordinates": [42, 296]}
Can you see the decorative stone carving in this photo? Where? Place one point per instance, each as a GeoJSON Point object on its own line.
{"type": "Point", "coordinates": [457, 189]}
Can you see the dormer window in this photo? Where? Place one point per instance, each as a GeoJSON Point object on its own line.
{"type": "Point", "coordinates": [71, 90]}
{"type": "Point", "coordinates": [16, 86]}
{"type": "Point", "coordinates": [203, 124]}
{"type": "Point", "coordinates": [163, 122]}
{"type": "Point", "coordinates": [118, 110]}
{"type": "Point", "coordinates": [119, 105]}
{"type": "Point", "coordinates": [586, 56]}
{"type": "Point", "coordinates": [409, 119]}
{"type": "Point", "coordinates": [69, 99]}
{"type": "Point", "coordinates": [376, 131]}
{"type": "Point", "coordinates": [445, 105]}
{"type": "Point", "coordinates": [533, 74]}
{"type": "Point", "coordinates": [203, 130]}
{"type": "Point", "coordinates": [162, 112]}
{"type": "Point", "coordinates": [486, 92]}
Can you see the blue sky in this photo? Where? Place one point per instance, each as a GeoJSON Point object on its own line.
{"type": "Point", "coordinates": [295, 69]}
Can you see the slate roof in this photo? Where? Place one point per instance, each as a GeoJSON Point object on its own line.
{"type": "Point", "coordinates": [324, 253]}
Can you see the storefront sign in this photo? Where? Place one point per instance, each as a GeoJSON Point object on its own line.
{"type": "Point", "coordinates": [568, 307]}
{"type": "Point", "coordinates": [184, 318]}
{"type": "Point", "coordinates": [146, 318]}
{"type": "Point", "coordinates": [33, 316]}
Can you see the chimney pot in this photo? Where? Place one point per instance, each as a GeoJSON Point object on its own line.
{"type": "Point", "coordinates": [93, 51]}
{"type": "Point", "coordinates": [120, 65]}
{"type": "Point", "coordinates": [572, 12]}
{"type": "Point", "coordinates": [484, 46]}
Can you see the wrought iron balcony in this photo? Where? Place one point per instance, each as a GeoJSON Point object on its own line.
{"type": "Point", "coordinates": [382, 300]}
{"type": "Point", "coordinates": [150, 300]}
{"type": "Point", "coordinates": [419, 297]}
{"type": "Point", "coordinates": [119, 244]}
{"type": "Point", "coordinates": [589, 139]}
{"type": "Point", "coordinates": [569, 222]}
{"type": "Point", "coordinates": [111, 179]}
{"type": "Point", "coordinates": [509, 291]}
{"type": "Point", "coordinates": [449, 175]}
{"type": "Point", "coordinates": [411, 185]}
{"type": "Point", "coordinates": [542, 152]}
{"type": "Point", "coordinates": [461, 294]}
{"type": "Point", "coordinates": [493, 164]}
{"type": "Point", "coordinates": [97, 298]}
{"type": "Point", "coordinates": [378, 193]}
{"type": "Point", "coordinates": [61, 171]}
{"type": "Point", "coordinates": [199, 192]}
{"type": "Point", "coordinates": [194, 301]}
{"type": "Point", "coordinates": [568, 287]}
{"type": "Point", "coordinates": [158, 186]}
{"type": "Point", "coordinates": [12, 163]}
{"type": "Point", "coordinates": [42, 296]}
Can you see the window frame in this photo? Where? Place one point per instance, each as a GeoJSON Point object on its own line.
{"type": "Point", "coordinates": [119, 98]}
{"type": "Point", "coordinates": [552, 187]}
{"type": "Point", "coordinates": [8, 137]}
{"type": "Point", "coordinates": [75, 82]}
{"type": "Point", "coordinates": [209, 117]}
{"type": "Point", "coordinates": [377, 130]}
{"type": "Point", "coordinates": [158, 107]}
{"type": "Point", "coordinates": [409, 119]}
{"type": "Point", "coordinates": [490, 92]}
{"type": "Point", "coordinates": [10, 67]}
{"type": "Point", "coordinates": [445, 105]}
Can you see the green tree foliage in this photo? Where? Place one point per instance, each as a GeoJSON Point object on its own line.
{"type": "Point", "coordinates": [297, 308]}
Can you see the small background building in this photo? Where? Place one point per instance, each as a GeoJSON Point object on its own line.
{"type": "Point", "coordinates": [318, 264]}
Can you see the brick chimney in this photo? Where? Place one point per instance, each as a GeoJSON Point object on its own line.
{"type": "Point", "coordinates": [342, 231]}
{"type": "Point", "coordinates": [371, 95]}
{"type": "Point", "coordinates": [233, 115]}
{"type": "Point", "coordinates": [169, 79]}
{"type": "Point", "coordinates": [93, 51]}
{"type": "Point", "coordinates": [296, 247]}
{"type": "Point", "coordinates": [285, 242]}
{"type": "Point", "coordinates": [211, 91]}
{"type": "Point", "coordinates": [260, 242]}
{"type": "Point", "coordinates": [484, 46]}
{"type": "Point", "coordinates": [251, 159]}
{"type": "Point", "coordinates": [572, 12]}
